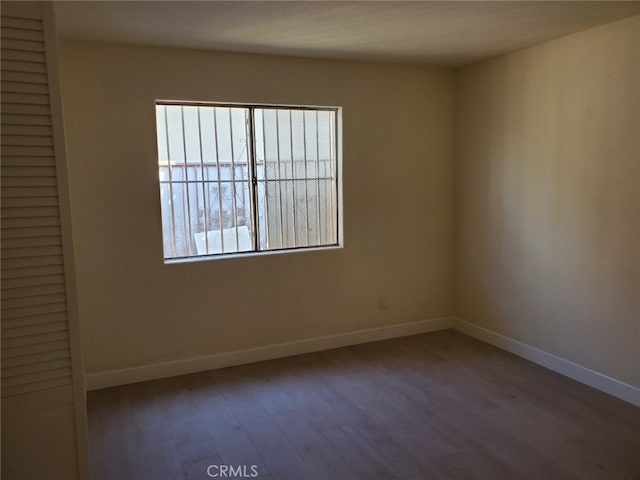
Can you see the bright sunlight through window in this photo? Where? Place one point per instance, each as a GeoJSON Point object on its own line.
{"type": "Point", "coordinates": [241, 178]}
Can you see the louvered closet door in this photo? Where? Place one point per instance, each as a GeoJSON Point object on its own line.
{"type": "Point", "coordinates": [35, 334]}
{"type": "Point", "coordinates": [35, 342]}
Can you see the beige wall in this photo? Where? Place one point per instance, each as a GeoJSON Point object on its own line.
{"type": "Point", "coordinates": [39, 442]}
{"type": "Point", "coordinates": [547, 226]}
{"type": "Point", "coordinates": [398, 163]}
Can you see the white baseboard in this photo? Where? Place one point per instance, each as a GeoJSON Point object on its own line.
{"type": "Point", "coordinates": [599, 381]}
{"type": "Point", "coordinates": [112, 378]}
{"type": "Point", "coordinates": [567, 368]}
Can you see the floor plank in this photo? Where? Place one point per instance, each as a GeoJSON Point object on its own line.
{"type": "Point", "coordinates": [434, 406]}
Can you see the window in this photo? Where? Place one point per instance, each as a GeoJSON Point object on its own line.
{"type": "Point", "coordinates": [244, 178]}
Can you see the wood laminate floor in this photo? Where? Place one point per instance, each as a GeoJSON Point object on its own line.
{"type": "Point", "coordinates": [434, 406]}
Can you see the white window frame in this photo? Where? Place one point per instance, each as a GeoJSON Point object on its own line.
{"type": "Point", "coordinates": [256, 251]}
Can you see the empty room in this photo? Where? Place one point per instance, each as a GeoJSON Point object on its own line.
{"type": "Point", "coordinates": [320, 240]}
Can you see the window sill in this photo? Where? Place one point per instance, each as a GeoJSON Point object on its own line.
{"type": "Point", "coordinates": [229, 256]}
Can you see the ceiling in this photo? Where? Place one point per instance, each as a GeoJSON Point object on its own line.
{"type": "Point", "coordinates": [449, 33]}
